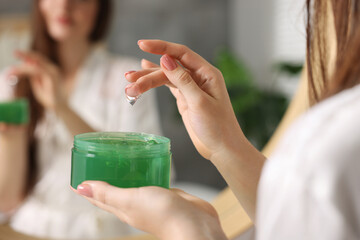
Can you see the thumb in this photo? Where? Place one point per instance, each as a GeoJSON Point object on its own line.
{"type": "Point", "coordinates": [112, 199]}
{"type": "Point", "coordinates": [181, 78]}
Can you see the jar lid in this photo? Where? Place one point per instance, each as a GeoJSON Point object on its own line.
{"type": "Point", "coordinates": [15, 111]}
{"type": "Point", "coordinates": [124, 142]}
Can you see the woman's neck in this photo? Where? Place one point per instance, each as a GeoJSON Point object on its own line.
{"type": "Point", "coordinates": [72, 55]}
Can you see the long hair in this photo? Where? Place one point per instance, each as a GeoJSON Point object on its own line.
{"type": "Point", "coordinates": [346, 72]}
{"type": "Point", "coordinates": [45, 45]}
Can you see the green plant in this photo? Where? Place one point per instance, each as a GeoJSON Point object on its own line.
{"type": "Point", "coordinates": [289, 68]}
{"type": "Point", "coordinates": [258, 111]}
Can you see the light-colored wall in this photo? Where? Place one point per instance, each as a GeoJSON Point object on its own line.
{"type": "Point", "coordinates": [250, 34]}
{"type": "Point", "coordinates": [265, 32]}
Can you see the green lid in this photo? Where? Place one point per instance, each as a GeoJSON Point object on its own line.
{"type": "Point", "coordinates": [14, 112]}
{"type": "Point", "coordinates": [122, 159]}
{"type": "Point", "coordinates": [124, 142]}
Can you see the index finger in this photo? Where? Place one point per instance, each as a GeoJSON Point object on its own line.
{"type": "Point", "coordinates": [32, 57]}
{"type": "Point", "coordinates": [119, 198]}
{"type": "Point", "coordinates": [188, 58]}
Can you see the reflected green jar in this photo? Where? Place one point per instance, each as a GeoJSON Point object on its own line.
{"type": "Point", "coordinates": [121, 159]}
{"type": "Point", "coordinates": [14, 112]}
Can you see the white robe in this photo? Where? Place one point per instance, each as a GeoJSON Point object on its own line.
{"type": "Point", "coordinates": [310, 187]}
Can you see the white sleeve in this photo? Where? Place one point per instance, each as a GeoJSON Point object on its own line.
{"type": "Point", "coordinates": [310, 189]}
{"type": "Point", "coordinates": [6, 91]}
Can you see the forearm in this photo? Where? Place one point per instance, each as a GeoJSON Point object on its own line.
{"type": "Point", "coordinates": [13, 168]}
{"type": "Point", "coordinates": [240, 163]}
{"type": "Point", "coordinates": [189, 228]}
{"type": "Point", "coordinates": [74, 123]}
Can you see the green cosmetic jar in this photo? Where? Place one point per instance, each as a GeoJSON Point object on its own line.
{"type": "Point", "coordinates": [14, 112]}
{"type": "Point", "coordinates": [122, 159]}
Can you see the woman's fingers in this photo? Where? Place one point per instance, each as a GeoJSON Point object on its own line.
{"type": "Point", "coordinates": [145, 80]}
{"type": "Point", "coordinates": [3, 127]}
{"type": "Point", "coordinates": [37, 60]}
{"type": "Point", "coordinates": [131, 205]}
{"type": "Point", "coordinates": [119, 198]}
{"type": "Point", "coordinates": [133, 76]}
{"type": "Point", "coordinates": [171, 72]}
{"type": "Point", "coordinates": [31, 57]}
{"type": "Point", "coordinates": [148, 64]}
{"type": "Point", "coordinates": [86, 190]}
{"type": "Point", "coordinates": [183, 54]}
{"type": "Point", "coordinates": [181, 78]}
{"type": "Point", "coordinates": [24, 69]}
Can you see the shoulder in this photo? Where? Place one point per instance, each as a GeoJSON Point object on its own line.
{"type": "Point", "coordinates": [327, 132]}
{"type": "Point", "coordinates": [312, 178]}
{"type": "Point", "coordinates": [334, 131]}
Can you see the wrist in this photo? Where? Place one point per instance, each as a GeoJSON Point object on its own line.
{"type": "Point", "coordinates": [61, 108]}
{"type": "Point", "coordinates": [238, 156]}
{"type": "Point", "coordinates": [231, 148]}
{"type": "Point", "coordinates": [186, 229]}
{"type": "Point", "coordinates": [14, 132]}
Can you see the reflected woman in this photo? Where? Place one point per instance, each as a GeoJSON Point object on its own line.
{"type": "Point", "coordinates": [74, 86]}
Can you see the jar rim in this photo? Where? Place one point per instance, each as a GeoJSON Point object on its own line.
{"type": "Point", "coordinates": [99, 142]}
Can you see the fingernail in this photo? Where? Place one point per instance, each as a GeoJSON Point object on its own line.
{"type": "Point", "coordinates": [129, 72]}
{"type": "Point", "coordinates": [129, 86]}
{"type": "Point", "coordinates": [168, 62]}
{"type": "Point", "coordinates": [12, 80]}
{"type": "Point", "coordinates": [139, 42]}
{"type": "Point", "coordinates": [17, 53]}
{"type": "Point", "coordinates": [132, 90]}
{"type": "Point", "coordinates": [85, 190]}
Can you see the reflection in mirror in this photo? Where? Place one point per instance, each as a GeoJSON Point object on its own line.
{"type": "Point", "coordinates": [70, 37]}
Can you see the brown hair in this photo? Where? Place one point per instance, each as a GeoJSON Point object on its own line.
{"type": "Point", "coordinates": [44, 44]}
{"type": "Point", "coordinates": [346, 72]}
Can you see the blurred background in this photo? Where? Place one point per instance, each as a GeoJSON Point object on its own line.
{"type": "Point", "coordinates": [259, 45]}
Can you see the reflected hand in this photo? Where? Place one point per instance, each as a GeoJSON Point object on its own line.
{"type": "Point", "coordinates": [44, 78]}
{"type": "Point", "coordinates": [11, 129]}
{"type": "Point", "coordinates": [167, 214]}
{"type": "Point", "coordinates": [200, 91]}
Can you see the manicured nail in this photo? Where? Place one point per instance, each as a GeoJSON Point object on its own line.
{"type": "Point", "coordinates": [12, 80]}
{"type": "Point", "coordinates": [168, 62]}
{"type": "Point", "coordinates": [129, 86]}
{"type": "Point", "coordinates": [132, 90]}
{"type": "Point", "coordinates": [129, 72]}
{"type": "Point", "coordinates": [85, 190]}
{"type": "Point", "coordinates": [139, 42]}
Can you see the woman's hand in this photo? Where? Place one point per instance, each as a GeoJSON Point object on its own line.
{"type": "Point", "coordinates": [167, 214]}
{"type": "Point", "coordinates": [207, 113]}
{"type": "Point", "coordinates": [10, 129]}
{"type": "Point", "coordinates": [200, 92]}
{"type": "Point", "coordinates": [44, 79]}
